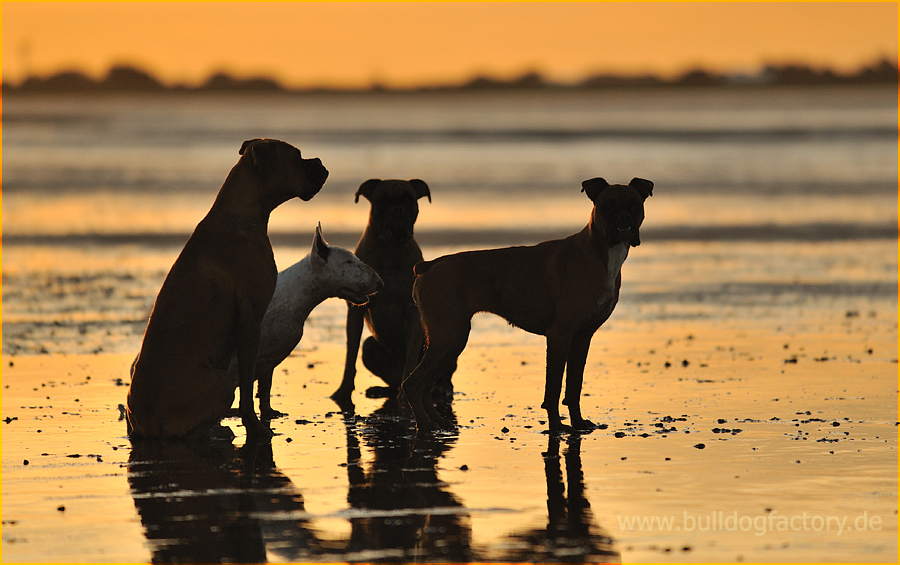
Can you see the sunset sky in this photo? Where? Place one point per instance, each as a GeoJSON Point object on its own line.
{"type": "Point", "coordinates": [409, 44]}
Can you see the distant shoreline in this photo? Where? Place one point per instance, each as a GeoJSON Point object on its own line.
{"type": "Point", "coordinates": [129, 79]}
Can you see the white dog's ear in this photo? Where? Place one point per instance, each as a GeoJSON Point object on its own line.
{"type": "Point", "coordinates": [593, 187]}
{"type": "Point", "coordinates": [320, 250]}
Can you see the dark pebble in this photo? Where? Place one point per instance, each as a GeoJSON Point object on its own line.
{"type": "Point", "coordinates": [504, 430]}
{"type": "Point", "coordinates": [620, 434]}
{"type": "Point", "coordinates": [700, 446]}
{"type": "Point", "coordinates": [835, 424]}
{"type": "Point", "coordinates": [61, 508]}
{"type": "Point", "coordinates": [464, 468]}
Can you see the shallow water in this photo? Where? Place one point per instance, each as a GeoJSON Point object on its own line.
{"type": "Point", "coordinates": [746, 385]}
{"type": "Point", "coordinates": [749, 425]}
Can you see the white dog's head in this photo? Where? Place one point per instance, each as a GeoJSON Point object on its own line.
{"type": "Point", "coordinates": [344, 274]}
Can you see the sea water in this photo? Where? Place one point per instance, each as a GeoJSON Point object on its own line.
{"type": "Point", "coordinates": [101, 192]}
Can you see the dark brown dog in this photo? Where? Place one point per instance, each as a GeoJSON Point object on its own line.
{"type": "Point", "coordinates": [213, 301]}
{"type": "Point", "coordinates": [387, 245]}
{"type": "Point", "coordinates": [562, 289]}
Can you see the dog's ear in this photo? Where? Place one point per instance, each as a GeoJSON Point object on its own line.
{"type": "Point", "coordinates": [320, 250]}
{"type": "Point", "coordinates": [366, 188]}
{"type": "Point", "coordinates": [246, 144]}
{"type": "Point", "coordinates": [258, 152]}
{"type": "Point", "coordinates": [421, 188]}
{"type": "Point", "coordinates": [593, 187]}
{"type": "Point", "coordinates": [643, 186]}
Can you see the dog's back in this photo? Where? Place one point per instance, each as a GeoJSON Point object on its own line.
{"type": "Point", "coordinates": [521, 284]}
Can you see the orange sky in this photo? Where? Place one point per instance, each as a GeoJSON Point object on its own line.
{"type": "Point", "coordinates": [404, 44]}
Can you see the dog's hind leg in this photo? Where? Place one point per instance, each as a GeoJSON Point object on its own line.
{"type": "Point", "coordinates": [442, 375]}
{"type": "Point", "coordinates": [440, 357]}
{"type": "Point", "coordinates": [381, 363]}
{"type": "Point", "coordinates": [199, 410]}
{"type": "Point", "coordinates": [557, 353]}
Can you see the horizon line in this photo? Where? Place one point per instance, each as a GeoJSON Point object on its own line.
{"type": "Point", "coordinates": [124, 76]}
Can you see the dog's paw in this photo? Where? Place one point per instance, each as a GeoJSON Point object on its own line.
{"type": "Point", "coordinates": [559, 429]}
{"type": "Point", "coordinates": [270, 414]}
{"type": "Point", "coordinates": [584, 426]}
{"type": "Point", "coordinates": [380, 392]}
{"type": "Point", "coordinates": [220, 432]}
{"type": "Point", "coordinates": [258, 432]}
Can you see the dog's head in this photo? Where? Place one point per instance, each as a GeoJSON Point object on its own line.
{"type": "Point", "coordinates": [282, 171]}
{"type": "Point", "coordinates": [618, 208]}
{"type": "Point", "coordinates": [341, 273]}
{"type": "Point", "coordinates": [395, 206]}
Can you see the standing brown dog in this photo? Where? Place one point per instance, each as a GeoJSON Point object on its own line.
{"type": "Point", "coordinates": [213, 301]}
{"type": "Point", "coordinates": [562, 289]}
{"type": "Point", "coordinates": [387, 245]}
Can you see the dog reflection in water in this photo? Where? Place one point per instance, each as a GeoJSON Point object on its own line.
{"type": "Point", "coordinates": [212, 502]}
{"type": "Point", "coordinates": [403, 511]}
{"type": "Point", "coordinates": [571, 533]}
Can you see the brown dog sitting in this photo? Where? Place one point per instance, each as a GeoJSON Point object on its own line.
{"type": "Point", "coordinates": [562, 289]}
{"type": "Point", "coordinates": [387, 245]}
{"type": "Point", "coordinates": [213, 301]}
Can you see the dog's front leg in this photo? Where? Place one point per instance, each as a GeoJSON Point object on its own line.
{"type": "Point", "coordinates": [248, 349]}
{"type": "Point", "coordinates": [264, 393]}
{"type": "Point", "coordinates": [355, 321]}
{"type": "Point", "coordinates": [575, 377]}
{"type": "Point", "coordinates": [557, 351]}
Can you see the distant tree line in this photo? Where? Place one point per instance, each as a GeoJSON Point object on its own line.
{"type": "Point", "coordinates": [123, 78]}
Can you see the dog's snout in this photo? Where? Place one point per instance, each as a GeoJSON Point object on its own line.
{"type": "Point", "coordinates": [624, 218]}
{"type": "Point", "coordinates": [316, 167]}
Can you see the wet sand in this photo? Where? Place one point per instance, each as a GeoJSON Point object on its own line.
{"type": "Point", "coordinates": [718, 442]}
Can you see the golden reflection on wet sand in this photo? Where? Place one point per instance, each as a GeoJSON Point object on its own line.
{"type": "Point", "coordinates": [791, 424]}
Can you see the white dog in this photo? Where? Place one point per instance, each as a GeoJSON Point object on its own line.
{"type": "Point", "coordinates": [326, 272]}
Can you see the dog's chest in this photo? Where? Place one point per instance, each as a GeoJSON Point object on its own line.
{"type": "Point", "coordinates": [607, 300]}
